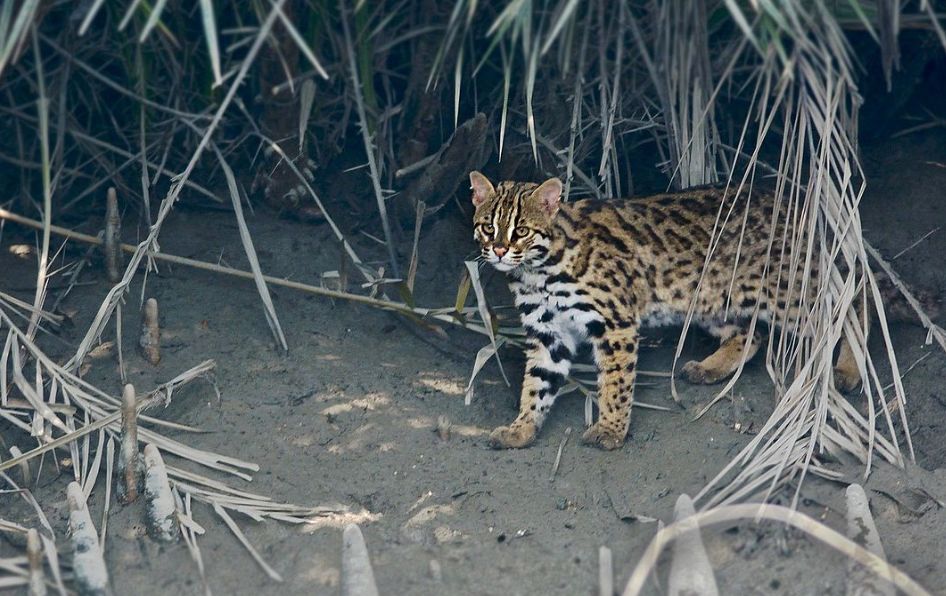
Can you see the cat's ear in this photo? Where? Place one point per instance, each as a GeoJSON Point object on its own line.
{"type": "Point", "coordinates": [481, 186]}
{"type": "Point", "coordinates": [549, 195]}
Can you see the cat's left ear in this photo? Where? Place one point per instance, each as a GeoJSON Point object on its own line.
{"type": "Point", "coordinates": [549, 195]}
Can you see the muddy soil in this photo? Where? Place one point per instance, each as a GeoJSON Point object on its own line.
{"type": "Point", "coordinates": [348, 419]}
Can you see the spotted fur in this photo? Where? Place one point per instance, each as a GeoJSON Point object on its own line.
{"type": "Point", "coordinates": [597, 271]}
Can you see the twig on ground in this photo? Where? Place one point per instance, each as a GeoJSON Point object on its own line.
{"type": "Point", "coordinates": [915, 244]}
{"type": "Point", "coordinates": [446, 316]}
{"type": "Point", "coordinates": [558, 455]}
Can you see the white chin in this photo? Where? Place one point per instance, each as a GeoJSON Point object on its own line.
{"type": "Point", "coordinates": [503, 266]}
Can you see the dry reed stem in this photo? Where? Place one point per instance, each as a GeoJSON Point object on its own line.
{"type": "Point", "coordinates": [34, 556]}
{"type": "Point", "coordinates": [129, 463]}
{"type": "Point", "coordinates": [558, 455]}
{"type": "Point", "coordinates": [88, 566]}
{"type": "Point", "coordinates": [109, 475]}
{"type": "Point", "coordinates": [150, 339]}
{"type": "Point", "coordinates": [161, 513]}
{"type": "Point", "coordinates": [112, 237]}
{"type": "Point", "coordinates": [357, 575]}
{"type": "Point", "coordinates": [221, 511]}
{"type": "Point", "coordinates": [246, 238]}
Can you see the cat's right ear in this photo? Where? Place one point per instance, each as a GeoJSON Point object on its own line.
{"type": "Point", "coordinates": [481, 186]}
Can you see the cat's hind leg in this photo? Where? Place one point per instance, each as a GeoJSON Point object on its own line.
{"type": "Point", "coordinates": [847, 375]}
{"type": "Point", "coordinates": [733, 350]}
{"type": "Point", "coordinates": [616, 356]}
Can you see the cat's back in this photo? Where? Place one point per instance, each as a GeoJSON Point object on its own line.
{"type": "Point", "coordinates": [670, 222]}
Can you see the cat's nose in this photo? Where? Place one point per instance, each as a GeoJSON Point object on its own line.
{"type": "Point", "coordinates": [500, 250]}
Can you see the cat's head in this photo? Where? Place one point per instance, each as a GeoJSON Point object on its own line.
{"type": "Point", "coordinates": [513, 220]}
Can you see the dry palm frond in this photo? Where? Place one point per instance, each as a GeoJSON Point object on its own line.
{"type": "Point", "coordinates": [810, 87]}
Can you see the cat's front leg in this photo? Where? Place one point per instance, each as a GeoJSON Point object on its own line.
{"type": "Point", "coordinates": [616, 354]}
{"type": "Point", "coordinates": [548, 360]}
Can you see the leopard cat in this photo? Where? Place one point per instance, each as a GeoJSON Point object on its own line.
{"type": "Point", "coordinates": [596, 271]}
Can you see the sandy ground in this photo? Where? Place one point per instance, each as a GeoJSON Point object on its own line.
{"type": "Point", "coordinates": [347, 419]}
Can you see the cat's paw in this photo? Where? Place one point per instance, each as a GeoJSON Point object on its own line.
{"type": "Point", "coordinates": [694, 372]}
{"type": "Point", "coordinates": [514, 436]}
{"type": "Point", "coordinates": [602, 438]}
{"type": "Point", "coordinates": [846, 379]}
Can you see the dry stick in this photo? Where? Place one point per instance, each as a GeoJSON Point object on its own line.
{"type": "Point", "coordinates": [915, 244]}
{"type": "Point", "coordinates": [357, 576]}
{"type": "Point", "coordinates": [113, 224]}
{"type": "Point", "coordinates": [385, 304]}
{"type": "Point", "coordinates": [91, 575]}
{"type": "Point", "coordinates": [109, 469]}
{"type": "Point", "coordinates": [605, 572]}
{"type": "Point", "coordinates": [161, 513]}
{"type": "Point", "coordinates": [558, 456]}
{"type": "Point", "coordinates": [150, 339]}
{"type": "Point", "coordinates": [412, 268]}
{"type": "Point", "coordinates": [861, 529]}
{"type": "Point", "coordinates": [128, 466]}
{"type": "Point", "coordinates": [34, 557]}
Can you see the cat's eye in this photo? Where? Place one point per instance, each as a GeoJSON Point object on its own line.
{"type": "Point", "coordinates": [520, 232]}
{"type": "Point", "coordinates": [488, 229]}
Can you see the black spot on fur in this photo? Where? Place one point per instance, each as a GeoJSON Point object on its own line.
{"type": "Point", "coordinates": [595, 329]}
{"type": "Point", "coordinates": [555, 380]}
{"type": "Point", "coordinates": [559, 353]}
{"type": "Point", "coordinates": [559, 278]}
{"type": "Point", "coordinates": [545, 337]}
{"type": "Point", "coordinates": [527, 308]}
